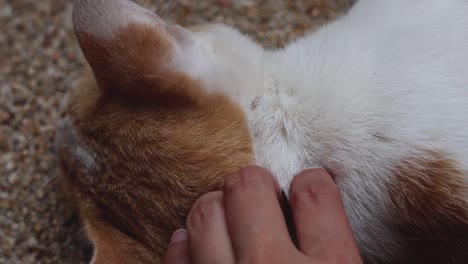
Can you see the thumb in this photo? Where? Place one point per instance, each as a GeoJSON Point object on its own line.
{"type": "Point", "coordinates": [178, 250]}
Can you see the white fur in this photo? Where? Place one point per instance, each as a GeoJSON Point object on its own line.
{"type": "Point", "coordinates": [381, 84]}
{"type": "Point", "coordinates": [219, 55]}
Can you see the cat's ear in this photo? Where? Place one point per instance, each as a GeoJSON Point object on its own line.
{"type": "Point", "coordinates": [132, 52]}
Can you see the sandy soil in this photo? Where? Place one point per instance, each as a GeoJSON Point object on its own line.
{"type": "Point", "coordinates": [39, 59]}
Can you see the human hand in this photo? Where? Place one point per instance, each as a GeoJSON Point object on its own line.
{"type": "Point", "coordinates": [245, 224]}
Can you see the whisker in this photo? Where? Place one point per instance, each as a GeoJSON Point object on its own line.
{"type": "Point", "coordinates": [67, 81]}
{"type": "Point", "coordinates": [169, 8]}
{"type": "Point", "coordinates": [80, 232]}
{"type": "Point", "coordinates": [69, 239]}
{"type": "Point", "coordinates": [159, 6]}
{"type": "Point", "coordinates": [26, 202]}
{"type": "Point", "coordinates": [48, 181]}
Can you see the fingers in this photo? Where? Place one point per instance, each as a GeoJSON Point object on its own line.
{"type": "Point", "coordinates": [253, 213]}
{"type": "Point", "coordinates": [178, 250]}
{"type": "Point", "coordinates": [209, 237]}
{"type": "Point", "coordinates": [322, 227]}
{"type": "Point", "coordinates": [247, 219]}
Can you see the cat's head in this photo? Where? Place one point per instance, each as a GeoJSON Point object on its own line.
{"type": "Point", "coordinates": [158, 120]}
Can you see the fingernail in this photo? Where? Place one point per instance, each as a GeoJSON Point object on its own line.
{"type": "Point", "coordinates": [178, 236]}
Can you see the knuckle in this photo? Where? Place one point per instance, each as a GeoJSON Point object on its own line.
{"type": "Point", "coordinates": [205, 210]}
{"type": "Point", "coordinates": [248, 177]}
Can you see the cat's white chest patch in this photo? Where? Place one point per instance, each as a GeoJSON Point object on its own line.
{"type": "Point", "coordinates": [279, 133]}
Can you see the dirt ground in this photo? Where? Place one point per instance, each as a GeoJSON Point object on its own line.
{"type": "Point", "coordinates": [39, 59]}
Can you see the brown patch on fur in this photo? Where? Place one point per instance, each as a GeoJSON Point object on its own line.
{"type": "Point", "coordinates": [155, 161]}
{"type": "Point", "coordinates": [431, 211]}
{"type": "Point", "coordinates": [159, 142]}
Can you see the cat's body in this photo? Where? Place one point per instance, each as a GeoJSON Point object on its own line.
{"type": "Point", "coordinates": [379, 98]}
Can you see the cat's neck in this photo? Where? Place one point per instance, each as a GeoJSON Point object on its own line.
{"type": "Point", "coordinates": [302, 93]}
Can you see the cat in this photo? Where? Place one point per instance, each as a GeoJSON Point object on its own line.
{"type": "Point", "coordinates": [379, 98]}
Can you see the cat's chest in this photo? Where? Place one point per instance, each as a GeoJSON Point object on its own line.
{"type": "Point", "coordinates": [280, 133]}
{"type": "Point", "coordinates": [293, 131]}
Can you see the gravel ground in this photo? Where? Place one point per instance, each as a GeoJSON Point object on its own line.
{"type": "Point", "coordinates": [39, 59]}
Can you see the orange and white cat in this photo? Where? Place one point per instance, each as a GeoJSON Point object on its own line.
{"type": "Point", "coordinates": [379, 98]}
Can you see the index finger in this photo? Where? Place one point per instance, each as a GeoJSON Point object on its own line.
{"type": "Point", "coordinates": [255, 220]}
{"type": "Point", "coordinates": [322, 227]}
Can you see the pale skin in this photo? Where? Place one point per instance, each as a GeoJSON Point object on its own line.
{"type": "Point", "coordinates": [245, 223]}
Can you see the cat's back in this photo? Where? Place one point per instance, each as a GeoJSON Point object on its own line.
{"type": "Point", "coordinates": [389, 65]}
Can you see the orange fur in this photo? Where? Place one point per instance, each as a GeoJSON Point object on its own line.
{"type": "Point", "coordinates": [114, 247]}
{"type": "Point", "coordinates": [428, 193]}
{"type": "Point", "coordinates": [160, 143]}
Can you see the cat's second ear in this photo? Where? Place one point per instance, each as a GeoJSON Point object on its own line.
{"type": "Point", "coordinates": [132, 52]}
